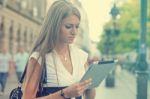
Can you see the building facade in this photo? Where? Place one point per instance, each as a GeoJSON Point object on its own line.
{"type": "Point", "coordinates": [20, 22]}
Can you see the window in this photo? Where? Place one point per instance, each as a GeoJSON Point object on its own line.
{"type": "Point", "coordinates": [11, 37]}
{"type": "Point", "coordinates": [1, 30]}
{"type": "Point", "coordinates": [1, 27]}
{"type": "Point", "coordinates": [25, 38]}
{"type": "Point", "coordinates": [18, 36]}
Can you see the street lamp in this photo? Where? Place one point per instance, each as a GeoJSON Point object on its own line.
{"type": "Point", "coordinates": [114, 12]}
{"type": "Point", "coordinates": [142, 74]}
{"type": "Point", "coordinates": [115, 15]}
{"type": "Point", "coordinates": [111, 35]}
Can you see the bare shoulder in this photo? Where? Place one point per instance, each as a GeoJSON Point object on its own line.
{"type": "Point", "coordinates": [33, 64]}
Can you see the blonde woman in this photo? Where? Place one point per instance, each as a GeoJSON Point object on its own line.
{"type": "Point", "coordinates": [65, 63]}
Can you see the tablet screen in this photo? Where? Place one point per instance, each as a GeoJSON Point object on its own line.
{"type": "Point", "coordinates": [98, 72]}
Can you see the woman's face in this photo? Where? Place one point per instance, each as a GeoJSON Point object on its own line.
{"type": "Point", "coordinates": [69, 29]}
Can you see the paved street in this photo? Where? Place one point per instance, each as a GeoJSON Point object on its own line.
{"type": "Point", "coordinates": [125, 87]}
{"type": "Point", "coordinates": [11, 83]}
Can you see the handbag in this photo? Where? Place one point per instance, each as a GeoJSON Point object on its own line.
{"type": "Point", "coordinates": [16, 93]}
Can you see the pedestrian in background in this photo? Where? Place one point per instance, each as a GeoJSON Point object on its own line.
{"type": "Point", "coordinates": [65, 63]}
{"type": "Point", "coordinates": [21, 58]}
{"type": "Point", "coordinates": [5, 59]}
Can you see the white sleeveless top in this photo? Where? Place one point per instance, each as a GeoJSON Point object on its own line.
{"type": "Point", "coordinates": [78, 57]}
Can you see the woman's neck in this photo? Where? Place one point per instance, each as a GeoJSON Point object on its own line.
{"type": "Point", "coordinates": [62, 48]}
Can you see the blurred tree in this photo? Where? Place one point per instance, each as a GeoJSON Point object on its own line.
{"type": "Point", "coordinates": [129, 24]}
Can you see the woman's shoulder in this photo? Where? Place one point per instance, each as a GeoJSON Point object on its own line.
{"type": "Point", "coordinates": [36, 56]}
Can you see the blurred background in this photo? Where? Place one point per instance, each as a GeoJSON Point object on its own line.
{"type": "Point", "coordinates": [110, 29]}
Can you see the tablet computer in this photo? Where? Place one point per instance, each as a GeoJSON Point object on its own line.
{"type": "Point", "coordinates": [98, 72]}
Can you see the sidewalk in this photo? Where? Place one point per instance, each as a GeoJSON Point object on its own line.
{"type": "Point", "coordinates": [11, 83]}
{"type": "Point", "coordinates": [125, 87]}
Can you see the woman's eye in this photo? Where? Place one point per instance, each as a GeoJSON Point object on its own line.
{"type": "Point", "coordinates": [68, 26]}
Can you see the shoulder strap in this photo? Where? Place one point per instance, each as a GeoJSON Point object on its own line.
{"type": "Point", "coordinates": [23, 75]}
{"type": "Point", "coordinates": [43, 76]}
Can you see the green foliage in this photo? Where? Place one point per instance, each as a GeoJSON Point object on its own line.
{"type": "Point", "coordinates": [129, 25]}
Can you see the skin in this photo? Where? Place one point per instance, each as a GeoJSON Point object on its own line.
{"type": "Point", "coordinates": [68, 31]}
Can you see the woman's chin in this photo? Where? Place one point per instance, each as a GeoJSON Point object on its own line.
{"type": "Point", "coordinates": [70, 42]}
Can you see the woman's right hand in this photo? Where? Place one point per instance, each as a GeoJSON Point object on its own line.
{"type": "Point", "coordinates": [77, 89]}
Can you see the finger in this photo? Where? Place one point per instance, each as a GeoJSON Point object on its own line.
{"type": "Point", "coordinates": [86, 82]}
{"type": "Point", "coordinates": [81, 92]}
{"type": "Point", "coordinates": [84, 87]}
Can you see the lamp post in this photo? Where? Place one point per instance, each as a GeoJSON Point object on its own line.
{"type": "Point", "coordinates": [142, 74]}
{"type": "Point", "coordinates": [114, 13]}
{"type": "Point", "coordinates": [111, 35]}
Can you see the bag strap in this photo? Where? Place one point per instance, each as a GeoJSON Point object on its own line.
{"type": "Point", "coordinates": [43, 76]}
{"type": "Point", "coordinates": [23, 75]}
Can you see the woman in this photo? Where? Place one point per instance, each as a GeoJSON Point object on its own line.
{"type": "Point", "coordinates": [65, 64]}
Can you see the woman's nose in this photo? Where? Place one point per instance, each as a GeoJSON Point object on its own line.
{"type": "Point", "coordinates": [74, 31]}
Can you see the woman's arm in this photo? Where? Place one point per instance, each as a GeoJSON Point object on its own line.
{"type": "Point", "coordinates": [31, 82]}
{"type": "Point", "coordinates": [32, 78]}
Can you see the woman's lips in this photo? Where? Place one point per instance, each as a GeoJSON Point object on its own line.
{"type": "Point", "coordinates": [71, 38]}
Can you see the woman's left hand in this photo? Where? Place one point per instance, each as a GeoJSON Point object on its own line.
{"type": "Point", "coordinates": [77, 89]}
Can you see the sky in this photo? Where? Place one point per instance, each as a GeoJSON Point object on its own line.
{"type": "Point", "coordinates": [98, 14]}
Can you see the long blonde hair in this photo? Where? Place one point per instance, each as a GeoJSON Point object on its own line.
{"type": "Point", "coordinates": [50, 30]}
